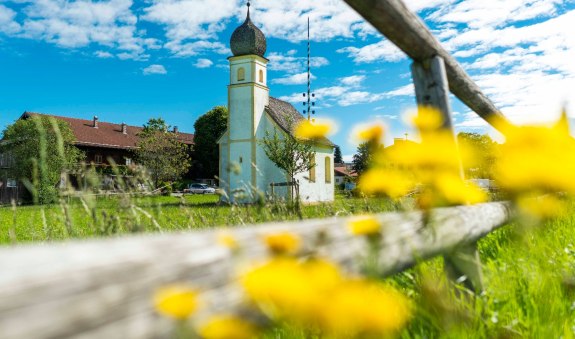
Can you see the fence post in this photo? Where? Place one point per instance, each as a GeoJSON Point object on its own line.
{"type": "Point", "coordinates": [432, 90]}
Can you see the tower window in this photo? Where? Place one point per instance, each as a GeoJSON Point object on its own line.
{"type": "Point", "coordinates": [312, 170]}
{"type": "Point", "coordinates": [241, 74]}
{"type": "Point", "coordinates": [261, 76]}
{"type": "Point", "coordinates": [327, 170]}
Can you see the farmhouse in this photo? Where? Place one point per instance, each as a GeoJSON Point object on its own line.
{"type": "Point", "coordinates": [102, 143]}
{"type": "Point", "coordinates": [252, 113]}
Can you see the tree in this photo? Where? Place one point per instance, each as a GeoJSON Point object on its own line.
{"type": "Point", "coordinates": [161, 153]}
{"type": "Point", "coordinates": [337, 158]}
{"type": "Point", "coordinates": [289, 154]}
{"type": "Point", "coordinates": [42, 149]}
{"type": "Point", "coordinates": [208, 129]}
{"type": "Point", "coordinates": [362, 159]}
{"type": "Point", "coordinates": [480, 152]}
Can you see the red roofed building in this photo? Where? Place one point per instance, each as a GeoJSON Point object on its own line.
{"type": "Point", "coordinates": [341, 172]}
{"type": "Point", "coordinates": [101, 141]}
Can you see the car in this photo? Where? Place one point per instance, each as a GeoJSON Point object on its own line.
{"type": "Point", "coordinates": [200, 189]}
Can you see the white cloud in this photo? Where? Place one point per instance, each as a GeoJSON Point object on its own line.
{"type": "Point", "coordinates": [380, 51]}
{"type": "Point", "coordinates": [191, 19]}
{"type": "Point", "coordinates": [353, 80]}
{"type": "Point", "coordinates": [103, 54]}
{"type": "Point", "coordinates": [7, 21]}
{"type": "Point", "coordinates": [493, 13]}
{"type": "Point", "coordinates": [294, 79]}
{"type": "Point", "coordinates": [292, 64]}
{"type": "Point", "coordinates": [78, 24]}
{"type": "Point", "coordinates": [195, 48]}
{"type": "Point", "coordinates": [203, 63]}
{"type": "Point", "coordinates": [154, 69]}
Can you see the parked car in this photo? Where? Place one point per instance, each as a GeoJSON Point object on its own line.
{"type": "Point", "coordinates": [200, 189]}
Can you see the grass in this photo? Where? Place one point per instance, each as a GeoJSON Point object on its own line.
{"type": "Point", "coordinates": [530, 288]}
{"type": "Point", "coordinates": [529, 275]}
{"type": "Point", "coordinates": [90, 216]}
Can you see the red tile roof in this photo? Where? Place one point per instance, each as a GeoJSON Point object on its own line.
{"type": "Point", "coordinates": [107, 135]}
{"type": "Point", "coordinates": [344, 172]}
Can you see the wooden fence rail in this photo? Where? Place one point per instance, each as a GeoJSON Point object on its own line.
{"type": "Point", "coordinates": [103, 288]}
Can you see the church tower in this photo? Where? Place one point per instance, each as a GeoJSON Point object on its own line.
{"type": "Point", "coordinates": [248, 96]}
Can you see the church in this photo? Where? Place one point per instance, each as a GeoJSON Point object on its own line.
{"type": "Point", "coordinates": [252, 113]}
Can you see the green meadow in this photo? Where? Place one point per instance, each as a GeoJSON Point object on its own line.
{"type": "Point", "coordinates": [99, 216]}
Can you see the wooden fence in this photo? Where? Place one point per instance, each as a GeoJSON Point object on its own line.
{"type": "Point", "coordinates": [103, 288]}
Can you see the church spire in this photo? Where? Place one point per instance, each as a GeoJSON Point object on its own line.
{"type": "Point", "coordinates": [248, 17]}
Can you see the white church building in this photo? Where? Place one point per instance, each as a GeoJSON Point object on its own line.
{"type": "Point", "coordinates": [252, 112]}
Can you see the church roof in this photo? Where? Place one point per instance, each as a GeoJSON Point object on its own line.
{"type": "Point", "coordinates": [247, 39]}
{"type": "Point", "coordinates": [286, 116]}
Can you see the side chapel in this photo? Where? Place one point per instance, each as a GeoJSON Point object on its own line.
{"type": "Point", "coordinates": [252, 112]}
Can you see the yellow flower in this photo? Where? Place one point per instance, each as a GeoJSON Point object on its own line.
{"type": "Point", "coordinates": [228, 327]}
{"type": "Point", "coordinates": [456, 191]}
{"type": "Point", "coordinates": [372, 132]}
{"type": "Point", "coordinates": [427, 119]}
{"type": "Point", "coordinates": [227, 240]}
{"type": "Point", "coordinates": [365, 225]}
{"type": "Point", "coordinates": [286, 289]}
{"type": "Point", "coordinates": [306, 129]}
{"type": "Point", "coordinates": [176, 301]}
{"type": "Point", "coordinates": [392, 183]}
{"type": "Point", "coordinates": [542, 207]}
{"type": "Point", "coordinates": [282, 243]}
{"type": "Point", "coordinates": [537, 158]}
{"type": "Point", "coordinates": [358, 307]}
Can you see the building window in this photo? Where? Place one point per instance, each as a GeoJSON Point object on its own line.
{"type": "Point", "coordinates": [261, 77]}
{"type": "Point", "coordinates": [327, 170]}
{"type": "Point", "coordinates": [241, 74]}
{"type": "Point", "coordinates": [98, 159]}
{"type": "Point", "coordinates": [128, 161]}
{"type": "Point", "coordinates": [312, 170]}
{"type": "Point", "coordinates": [11, 183]}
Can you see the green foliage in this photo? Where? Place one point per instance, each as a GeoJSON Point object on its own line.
{"type": "Point", "coordinates": [42, 149]}
{"type": "Point", "coordinates": [288, 154]}
{"type": "Point", "coordinates": [362, 159]}
{"type": "Point", "coordinates": [484, 153]}
{"type": "Point", "coordinates": [337, 158]}
{"type": "Point", "coordinates": [160, 151]}
{"type": "Point", "coordinates": [208, 129]}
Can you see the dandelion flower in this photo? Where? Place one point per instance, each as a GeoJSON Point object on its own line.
{"type": "Point", "coordinates": [227, 240]}
{"type": "Point", "coordinates": [311, 130]}
{"type": "Point", "coordinates": [365, 225]}
{"type": "Point", "coordinates": [282, 243]}
{"type": "Point", "coordinates": [228, 327]}
{"type": "Point", "coordinates": [176, 301]}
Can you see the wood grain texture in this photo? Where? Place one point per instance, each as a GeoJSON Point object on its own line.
{"type": "Point", "coordinates": [406, 30]}
{"type": "Point", "coordinates": [104, 288]}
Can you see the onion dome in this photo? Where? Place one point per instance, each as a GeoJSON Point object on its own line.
{"type": "Point", "coordinates": [248, 39]}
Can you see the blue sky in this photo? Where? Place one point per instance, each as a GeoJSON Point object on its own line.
{"type": "Point", "coordinates": [128, 60]}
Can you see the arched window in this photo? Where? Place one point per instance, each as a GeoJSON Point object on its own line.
{"type": "Point", "coordinates": [241, 74]}
{"type": "Point", "coordinates": [328, 170]}
{"type": "Point", "coordinates": [312, 170]}
{"type": "Point", "coordinates": [261, 78]}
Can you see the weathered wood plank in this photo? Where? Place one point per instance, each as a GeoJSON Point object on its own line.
{"type": "Point", "coordinates": [103, 288]}
{"type": "Point", "coordinates": [431, 89]}
{"type": "Point", "coordinates": [406, 30]}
